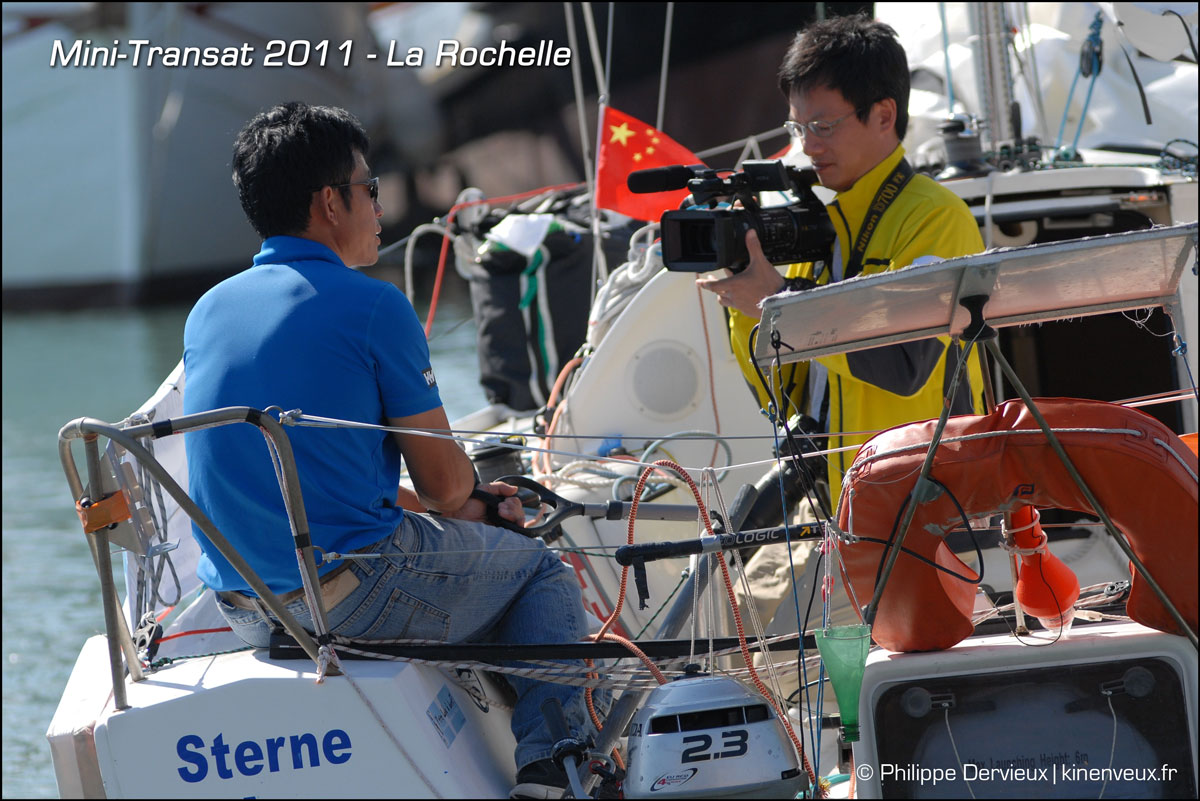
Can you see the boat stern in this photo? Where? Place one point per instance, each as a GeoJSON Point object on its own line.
{"type": "Point", "coordinates": [72, 729]}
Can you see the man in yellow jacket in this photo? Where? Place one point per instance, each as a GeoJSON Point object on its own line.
{"type": "Point", "coordinates": [847, 84]}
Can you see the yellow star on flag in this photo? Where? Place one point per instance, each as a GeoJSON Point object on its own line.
{"type": "Point", "coordinates": [620, 133]}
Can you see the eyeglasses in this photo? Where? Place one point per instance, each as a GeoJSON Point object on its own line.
{"type": "Point", "coordinates": [819, 127]}
{"type": "Point", "coordinates": [372, 185]}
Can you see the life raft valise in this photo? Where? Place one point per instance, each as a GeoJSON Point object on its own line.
{"type": "Point", "coordinates": [1141, 472]}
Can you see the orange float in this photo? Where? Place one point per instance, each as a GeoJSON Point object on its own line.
{"type": "Point", "coordinates": [1046, 588]}
{"type": "Point", "coordinates": [1140, 471]}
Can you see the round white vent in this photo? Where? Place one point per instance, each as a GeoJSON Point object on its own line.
{"type": "Point", "coordinates": [663, 379]}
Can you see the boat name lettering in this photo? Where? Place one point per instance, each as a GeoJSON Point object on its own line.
{"type": "Point", "coordinates": [248, 755]}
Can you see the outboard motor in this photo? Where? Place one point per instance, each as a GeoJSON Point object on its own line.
{"type": "Point", "coordinates": [710, 737]}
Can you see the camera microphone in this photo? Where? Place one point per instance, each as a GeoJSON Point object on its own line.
{"type": "Point", "coordinates": [659, 179]}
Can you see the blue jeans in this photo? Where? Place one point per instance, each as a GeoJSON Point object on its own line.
{"type": "Point", "coordinates": [457, 581]}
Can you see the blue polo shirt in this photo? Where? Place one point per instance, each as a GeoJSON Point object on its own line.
{"type": "Point", "coordinates": [300, 330]}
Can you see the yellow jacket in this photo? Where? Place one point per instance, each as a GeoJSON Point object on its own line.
{"type": "Point", "coordinates": [875, 389]}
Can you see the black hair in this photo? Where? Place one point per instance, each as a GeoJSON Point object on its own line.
{"type": "Point", "coordinates": [856, 55]}
{"type": "Point", "coordinates": [285, 154]}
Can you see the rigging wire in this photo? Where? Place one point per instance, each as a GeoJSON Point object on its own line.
{"type": "Point", "coordinates": [599, 263]}
{"type": "Point", "coordinates": [946, 58]}
{"type": "Point", "coordinates": [577, 83]}
{"type": "Point", "coordinates": [666, 58]}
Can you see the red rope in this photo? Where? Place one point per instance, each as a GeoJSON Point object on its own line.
{"type": "Point", "coordinates": [195, 631]}
{"type": "Point", "coordinates": [544, 461]}
{"type": "Point", "coordinates": [737, 616]}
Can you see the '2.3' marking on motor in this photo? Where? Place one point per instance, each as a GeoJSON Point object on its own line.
{"type": "Point", "coordinates": [734, 742]}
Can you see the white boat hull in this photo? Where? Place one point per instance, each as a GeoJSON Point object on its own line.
{"type": "Point", "coordinates": [386, 729]}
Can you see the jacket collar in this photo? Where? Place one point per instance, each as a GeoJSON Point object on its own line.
{"type": "Point", "coordinates": [287, 249]}
{"type": "Point", "coordinates": [855, 201]}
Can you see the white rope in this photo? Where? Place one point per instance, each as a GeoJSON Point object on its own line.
{"type": "Point", "coordinates": [1112, 752]}
{"type": "Point", "coordinates": [410, 248]}
{"type": "Point", "coordinates": [1091, 595]}
{"type": "Point", "coordinates": [326, 657]}
{"type": "Point", "coordinates": [1043, 541]}
{"type": "Point", "coordinates": [575, 676]}
{"type": "Point", "coordinates": [954, 745]}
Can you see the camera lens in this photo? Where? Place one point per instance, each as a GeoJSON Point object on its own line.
{"type": "Point", "coordinates": [700, 240]}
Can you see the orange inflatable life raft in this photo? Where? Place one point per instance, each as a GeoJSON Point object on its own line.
{"type": "Point", "coordinates": [1140, 471]}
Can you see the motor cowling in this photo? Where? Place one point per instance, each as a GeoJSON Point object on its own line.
{"type": "Point", "coordinates": [710, 737]}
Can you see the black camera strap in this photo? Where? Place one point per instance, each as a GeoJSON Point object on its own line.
{"type": "Point", "coordinates": [887, 192]}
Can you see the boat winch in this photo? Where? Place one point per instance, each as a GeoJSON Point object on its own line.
{"type": "Point", "coordinates": [710, 737]}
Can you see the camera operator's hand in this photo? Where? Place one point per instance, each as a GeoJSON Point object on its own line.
{"type": "Point", "coordinates": [744, 291]}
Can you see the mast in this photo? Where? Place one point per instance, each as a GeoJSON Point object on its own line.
{"type": "Point", "coordinates": [993, 74]}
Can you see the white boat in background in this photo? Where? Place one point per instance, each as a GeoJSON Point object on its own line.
{"type": "Point", "coordinates": [118, 175]}
{"type": "Point", "coordinates": [1077, 159]}
{"type": "Point", "coordinates": [1109, 705]}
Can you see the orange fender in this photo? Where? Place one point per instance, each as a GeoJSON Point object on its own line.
{"type": "Point", "coordinates": [1141, 478]}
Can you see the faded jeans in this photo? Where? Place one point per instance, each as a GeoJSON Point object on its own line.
{"type": "Point", "coordinates": [458, 581]}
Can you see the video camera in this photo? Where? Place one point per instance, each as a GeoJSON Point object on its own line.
{"type": "Point", "coordinates": [700, 240]}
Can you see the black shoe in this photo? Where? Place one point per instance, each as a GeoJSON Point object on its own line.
{"type": "Point", "coordinates": [541, 779]}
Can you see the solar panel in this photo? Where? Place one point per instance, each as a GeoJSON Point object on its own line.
{"type": "Point", "coordinates": [1030, 284]}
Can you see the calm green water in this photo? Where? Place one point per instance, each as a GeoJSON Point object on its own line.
{"type": "Point", "coordinates": [97, 364]}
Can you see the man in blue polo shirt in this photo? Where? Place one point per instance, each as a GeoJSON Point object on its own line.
{"type": "Point", "coordinates": [302, 330]}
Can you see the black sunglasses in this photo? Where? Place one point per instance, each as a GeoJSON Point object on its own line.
{"type": "Point", "coordinates": [372, 185]}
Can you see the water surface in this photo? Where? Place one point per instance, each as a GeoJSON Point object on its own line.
{"type": "Point", "coordinates": [58, 367]}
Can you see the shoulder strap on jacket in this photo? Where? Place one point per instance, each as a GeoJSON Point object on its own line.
{"type": "Point", "coordinates": [887, 192]}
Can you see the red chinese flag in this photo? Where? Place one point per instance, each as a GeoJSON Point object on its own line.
{"type": "Point", "coordinates": [626, 145]}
